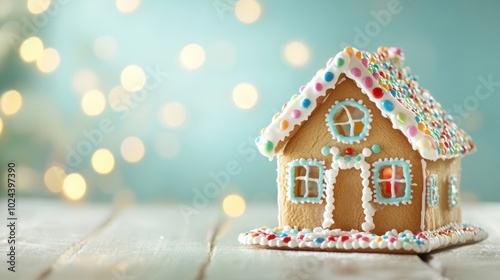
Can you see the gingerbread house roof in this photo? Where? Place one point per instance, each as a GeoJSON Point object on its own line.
{"type": "Point", "coordinates": [392, 88]}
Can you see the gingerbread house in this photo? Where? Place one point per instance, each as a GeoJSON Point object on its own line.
{"type": "Point", "coordinates": [365, 153]}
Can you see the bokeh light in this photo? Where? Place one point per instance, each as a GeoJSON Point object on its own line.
{"type": "Point", "coordinates": [233, 205]}
{"type": "Point", "coordinates": [38, 6]}
{"type": "Point", "coordinates": [167, 145]}
{"type": "Point", "coordinates": [31, 49]}
{"type": "Point", "coordinates": [192, 56]}
{"type": "Point", "coordinates": [173, 114]}
{"type": "Point", "coordinates": [132, 149]}
{"type": "Point", "coordinates": [48, 61]}
{"type": "Point", "coordinates": [105, 47]}
{"type": "Point", "coordinates": [54, 179]}
{"type": "Point", "coordinates": [296, 53]}
{"type": "Point", "coordinates": [133, 78]}
{"type": "Point", "coordinates": [74, 186]}
{"type": "Point", "coordinates": [103, 161]}
{"type": "Point", "coordinates": [11, 102]}
{"type": "Point", "coordinates": [245, 96]}
{"type": "Point", "coordinates": [93, 103]}
{"type": "Point", "coordinates": [1, 126]}
{"type": "Point", "coordinates": [118, 98]}
{"type": "Point", "coordinates": [247, 11]}
{"type": "Point", "coordinates": [127, 6]}
{"type": "Point", "coordinates": [85, 80]}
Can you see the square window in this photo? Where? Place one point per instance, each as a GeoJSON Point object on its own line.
{"type": "Point", "coordinates": [433, 192]}
{"type": "Point", "coordinates": [306, 181]}
{"type": "Point", "coordinates": [392, 181]}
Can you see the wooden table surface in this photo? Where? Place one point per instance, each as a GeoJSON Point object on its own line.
{"type": "Point", "coordinates": [57, 240]}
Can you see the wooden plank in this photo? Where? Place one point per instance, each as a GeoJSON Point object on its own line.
{"type": "Point", "coordinates": [47, 229]}
{"type": "Point", "coordinates": [475, 261]}
{"type": "Point", "coordinates": [144, 242]}
{"type": "Point", "coordinates": [230, 260]}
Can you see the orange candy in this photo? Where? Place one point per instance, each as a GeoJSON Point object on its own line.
{"type": "Point", "coordinates": [349, 51]}
{"type": "Point", "coordinates": [358, 54]}
{"type": "Point", "coordinates": [421, 127]}
{"type": "Point", "coordinates": [283, 124]}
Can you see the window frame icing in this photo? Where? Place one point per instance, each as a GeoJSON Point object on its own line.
{"type": "Point", "coordinates": [433, 190]}
{"type": "Point", "coordinates": [319, 181]}
{"type": "Point", "coordinates": [406, 166]}
{"type": "Point", "coordinates": [366, 119]}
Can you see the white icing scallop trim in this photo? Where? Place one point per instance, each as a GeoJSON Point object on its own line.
{"type": "Point", "coordinates": [321, 239]}
{"type": "Point", "coordinates": [424, 200]}
{"type": "Point", "coordinates": [330, 178]}
{"type": "Point", "coordinates": [278, 197]}
{"type": "Point", "coordinates": [420, 141]}
{"type": "Point", "coordinates": [366, 197]}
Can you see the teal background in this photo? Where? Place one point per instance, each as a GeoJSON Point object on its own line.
{"type": "Point", "coordinates": [448, 44]}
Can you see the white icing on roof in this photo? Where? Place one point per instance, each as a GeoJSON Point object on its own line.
{"type": "Point", "coordinates": [394, 91]}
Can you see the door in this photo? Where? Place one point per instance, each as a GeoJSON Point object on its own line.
{"type": "Point", "coordinates": [348, 191]}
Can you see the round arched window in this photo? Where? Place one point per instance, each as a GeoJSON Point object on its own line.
{"type": "Point", "coordinates": [349, 121]}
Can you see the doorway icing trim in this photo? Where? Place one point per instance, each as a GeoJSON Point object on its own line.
{"type": "Point", "coordinates": [339, 163]}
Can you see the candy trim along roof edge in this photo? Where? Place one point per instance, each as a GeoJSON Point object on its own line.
{"type": "Point", "coordinates": [337, 240]}
{"type": "Point", "coordinates": [394, 91]}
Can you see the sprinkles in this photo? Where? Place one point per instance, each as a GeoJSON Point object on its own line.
{"type": "Point", "coordinates": [338, 240]}
{"type": "Point", "coordinates": [382, 76]}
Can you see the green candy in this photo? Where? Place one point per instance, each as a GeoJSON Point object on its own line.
{"type": "Point", "coordinates": [268, 146]}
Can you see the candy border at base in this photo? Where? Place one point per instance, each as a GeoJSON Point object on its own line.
{"type": "Point", "coordinates": [405, 242]}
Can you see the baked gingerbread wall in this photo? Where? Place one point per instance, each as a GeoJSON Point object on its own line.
{"type": "Point", "coordinates": [442, 214]}
{"type": "Point", "coordinates": [307, 141]}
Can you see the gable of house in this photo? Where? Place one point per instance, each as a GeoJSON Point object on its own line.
{"type": "Point", "coordinates": [396, 94]}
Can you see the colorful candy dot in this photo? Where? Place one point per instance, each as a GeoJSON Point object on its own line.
{"type": "Point", "coordinates": [287, 239]}
{"type": "Point", "coordinates": [356, 72]}
{"type": "Point", "coordinates": [306, 102]}
{"type": "Point", "coordinates": [283, 124]}
{"type": "Point", "coordinates": [339, 62]}
{"type": "Point", "coordinates": [336, 157]}
{"type": "Point", "coordinates": [301, 89]}
{"type": "Point", "coordinates": [349, 50]}
{"type": "Point", "coordinates": [364, 61]}
{"type": "Point", "coordinates": [328, 76]}
{"type": "Point", "coordinates": [318, 87]}
{"type": "Point", "coordinates": [368, 82]}
{"type": "Point", "coordinates": [348, 151]}
{"type": "Point", "coordinates": [268, 147]}
{"type": "Point", "coordinates": [357, 158]}
{"type": "Point", "coordinates": [411, 130]}
{"type": "Point", "coordinates": [318, 240]}
{"type": "Point", "coordinates": [294, 96]}
{"type": "Point", "coordinates": [401, 117]}
{"type": "Point", "coordinates": [376, 148]}
{"type": "Point", "coordinates": [329, 61]}
{"type": "Point", "coordinates": [325, 150]}
{"type": "Point", "coordinates": [296, 114]}
{"type": "Point", "coordinates": [387, 105]}
{"type": "Point", "coordinates": [271, 237]}
{"type": "Point", "coordinates": [377, 92]}
{"type": "Point", "coordinates": [347, 158]}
